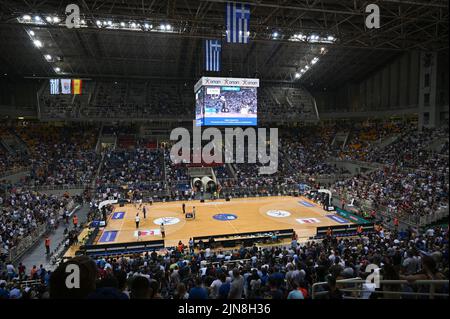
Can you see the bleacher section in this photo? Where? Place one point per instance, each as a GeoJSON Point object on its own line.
{"type": "Point", "coordinates": [159, 99]}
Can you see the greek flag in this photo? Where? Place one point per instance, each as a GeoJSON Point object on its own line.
{"type": "Point", "coordinates": [54, 86]}
{"type": "Point", "coordinates": [238, 22]}
{"type": "Point", "coordinates": [213, 50]}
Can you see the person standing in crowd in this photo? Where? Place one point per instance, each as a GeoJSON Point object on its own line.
{"type": "Point", "coordinates": [47, 245]}
{"type": "Point", "coordinates": [191, 245]}
{"type": "Point", "coordinates": [75, 221]}
{"type": "Point", "coordinates": [137, 220]}
{"type": "Point", "coordinates": [360, 230]}
{"type": "Point", "coordinates": [237, 285]}
{"type": "Point", "coordinates": [66, 216]}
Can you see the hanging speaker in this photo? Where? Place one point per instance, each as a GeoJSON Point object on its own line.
{"type": "Point", "coordinates": [197, 183]}
{"type": "Point", "coordinates": [208, 184]}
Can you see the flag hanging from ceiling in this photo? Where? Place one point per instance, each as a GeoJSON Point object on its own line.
{"type": "Point", "coordinates": [213, 51]}
{"type": "Point", "coordinates": [66, 86]}
{"type": "Point", "coordinates": [76, 86]}
{"type": "Point", "coordinates": [238, 22]}
{"type": "Point", "coordinates": [54, 86]}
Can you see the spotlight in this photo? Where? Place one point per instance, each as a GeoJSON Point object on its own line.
{"type": "Point", "coordinates": [48, 19]}
{"type": "Point", "coordinates": [48, 57]}
{"type": "Point", "coordinates": [168, 27]}
{"type": "Point", "coordinates": [122, 24]}
{"type": "Point", "coordinates": [83, 22]}
{"type": "Point", "coordinates": [26, 17]}
{"type": "Point", "coordinates": [133, 25]}
{"type": "Point", "coordinates": [330, 38]}
{"type": "Point", "coordinates": [57, 69]}
{"type": "Point", "coordinates": [146, 26]}
{"type": "Point", "coordinates": [37, 43]}
{"type": "Point", "coordinates": [37, 19]}
{"type": "Point", "coordinates": [163, 27]}
{"type": "Point", "coordinates": [297, 75]}
{"type": "Point", "coordinates": [275, 34]}
{"type": "Point", "coordinates": [110, 23]}
{"type": "Point", "coordinates": [32, 33]}
{"type": "Point", "coordinates": [98, 22]}
{"type": "Point", "coordinates": [56, 20]}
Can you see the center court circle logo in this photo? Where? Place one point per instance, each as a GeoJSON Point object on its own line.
{"type": "Point", "coordinates": [225, 217]}
{"type": "Point", "coordinates": [278, 213]}
{"type": "Point", "coordinates": [166, 221]}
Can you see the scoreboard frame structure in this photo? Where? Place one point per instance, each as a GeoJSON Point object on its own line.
{"type": "Point", "coordinates": [232, 119]}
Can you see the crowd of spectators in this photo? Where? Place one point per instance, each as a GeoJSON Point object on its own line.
{"type": "Point", "coordinates": [58, 155]}
{"type": "Point", "coordinates": [135, 166]}
{"type": "Point", "coordinates": [284, 272]}
{"type": "Point", "coordinates": [413, 150]}
{"type": "Point", "coordinates": [417, 193]}
{"type": "Point", "coordinates": [23, 211]}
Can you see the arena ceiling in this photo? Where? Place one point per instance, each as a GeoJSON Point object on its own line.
{"type": "Point", "coordinates": [116, 50]}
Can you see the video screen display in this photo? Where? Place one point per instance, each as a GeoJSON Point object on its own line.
{"type": "Point", "coordinates": [227, 106]}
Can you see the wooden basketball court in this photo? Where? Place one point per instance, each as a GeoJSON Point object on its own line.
{"type": "Point", "coordinates": [216, 218]}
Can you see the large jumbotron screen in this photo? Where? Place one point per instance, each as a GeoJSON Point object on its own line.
{"type": "Point", "coordinates": [226, 102]}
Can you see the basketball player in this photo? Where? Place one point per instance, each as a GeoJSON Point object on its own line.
{"type": "Point", "coordinates": [225, 108]}
{"type": "Point", "coordinates": [137, 219]}
{"type": "Point", "coordinates": [163, 230]}
{"type": "Point", "coordinates": [193, 212]}
{"type": "Point", "coordinates": [184, 209]}
{"type": "Point", "coordinates": [144, 211]}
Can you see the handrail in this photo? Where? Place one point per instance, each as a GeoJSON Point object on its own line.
{"type": "Point", "coordinates": [383, 282]}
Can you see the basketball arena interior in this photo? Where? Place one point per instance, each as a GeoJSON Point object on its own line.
{"type": "Point", "coordinates": [253, 150]}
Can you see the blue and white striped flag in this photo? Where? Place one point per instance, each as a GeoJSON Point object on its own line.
{"type": "Point", "coordinates": [238, 22]}
{"type": "Point", "coordinates": [213, 51]}
{"type": "Point", "coordinates": [54, 86]}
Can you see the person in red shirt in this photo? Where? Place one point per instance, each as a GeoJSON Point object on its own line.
{"type": "Point", "coordinates": [47, 245]}
{"type": "Point", "coordinates": [360, 230]}
{"type": "Point", "coordinates": [180, 246]}
{"type": "Point", "coordinates": [22, 270]}
{"type": "Point", "coordinates": [75, 221]}
{"type": "Point", "coordinates": [396, 222]}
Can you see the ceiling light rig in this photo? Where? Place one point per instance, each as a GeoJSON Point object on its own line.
{"type": "Point", "coordinates": [312, 38]}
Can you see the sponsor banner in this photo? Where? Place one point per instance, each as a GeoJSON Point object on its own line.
{"type": "Point", "coordinates": [97, 223]}
{"type": "Point", "coordinates": [225, 217]}
{"type": "Point", "coordinates": [278, 213]}
{"type": "Point", "coordinates": [118, 215]}
{"type": "Point", "coordinates": [308, 221]}
{"type": "Point", "coordinates": [306, 204]}
{"type": "Point", "coordinates": [213, 81]}
{"type": "Point", "coordinates": [147, 232]}
{"type": "Point", "coordinates": [351, 217]}
{"type": "Point", "coordinates": [211, 121]}
{"type": "Point", "coordinates": [337, 219]}
{"type": "Point", "coordinates": [108, 236]}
